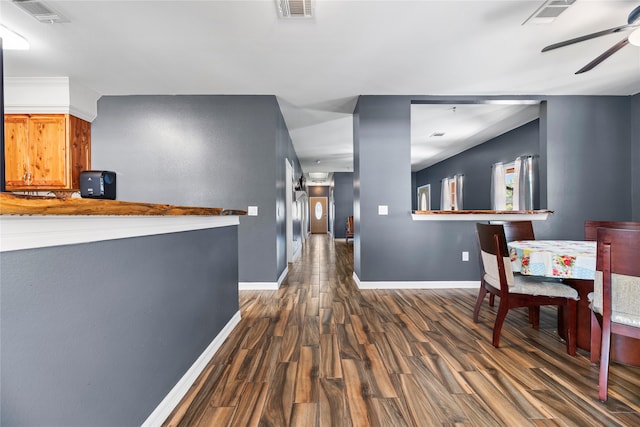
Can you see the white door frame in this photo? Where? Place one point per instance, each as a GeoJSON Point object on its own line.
{"type": "Point", "coordinates": [288, 188]}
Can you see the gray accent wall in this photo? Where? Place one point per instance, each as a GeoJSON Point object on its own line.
{"type": "Point", "coordinates": [475, 164]}
{"type": "Point", "coordinates": [588, 164]}
{"type": "Point", "coordinates": [201, 150]}
{"type": "Point", "coordinates": [584, 151]}
{"type": "Point", "coordinates": [343, 195]}
{"type": "Point", "coordinates": [98, 334]}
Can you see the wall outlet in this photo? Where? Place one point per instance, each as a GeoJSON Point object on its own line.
{"type": "Point", "coordinates": [465, 256]}
{"type": "Point", "coordinates": [252, 211]}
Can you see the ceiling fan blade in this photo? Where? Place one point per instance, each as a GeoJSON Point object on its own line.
{"type": "Point", "coordinates": [589, 37]}
{"type": "Point", "coordinates": [613, 49]}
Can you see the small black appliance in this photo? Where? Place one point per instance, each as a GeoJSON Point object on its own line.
{"type": "Point", "coordinates": [98, 184]}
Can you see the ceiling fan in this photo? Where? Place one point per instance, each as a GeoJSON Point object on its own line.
{"type": "Point", "coordinates": [634, 38]}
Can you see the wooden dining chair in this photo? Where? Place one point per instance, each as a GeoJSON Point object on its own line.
{"type": "Point", "coordinates": [518, 291]}
{"type": "Point", "coordinates": [591, 227]}
{"type": "Point", "coordinates": [616, 295]}
{"type": "Point", "coordinates": [349, 230]}
{"type": "Point", "coordinates": [518, 230]}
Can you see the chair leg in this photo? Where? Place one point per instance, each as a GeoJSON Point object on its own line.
{"type": "Point", "coordinates": [492, 300]}
{"type": "Point", "coordinates": [603, 382]}
{"type": "Point", "coordinates": [481, 294]}
{"type": "Point", "coordinates": [503, 309]}
{"type": "Point", "coordinates": [572, 319]}
{"type": "Point", "coordinates": [534, 316]}
{"type": "Point", "coordinates": [596, 338]}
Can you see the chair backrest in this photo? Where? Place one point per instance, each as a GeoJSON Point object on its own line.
{"type": "Point", "coordinates": [495, 255]}
{"type": "Point", "coordinates": [517, 230]}
{"type": "Point", "coordinates": [591, 227]}
{"type": "Point", "coordinates": [617, 284]}
{"type": "Point", "coordinates": [350, 225]}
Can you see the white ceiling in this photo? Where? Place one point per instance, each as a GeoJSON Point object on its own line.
{"type": "Point", "coordinates": [318, 67]}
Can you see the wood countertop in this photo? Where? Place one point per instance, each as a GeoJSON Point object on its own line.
{"type": "Point", "coordinates": [14, 204]}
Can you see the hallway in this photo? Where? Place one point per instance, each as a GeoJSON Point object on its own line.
{"type": "Point", "coordinates": [320, 352]}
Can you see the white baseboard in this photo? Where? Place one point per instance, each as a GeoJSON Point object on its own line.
{"type": "Point", "coordinates": [283, 276]}
{"type": "Point", "coordinates": [171, 400]}
{"type": "Point", "coordinates": [257, 286]}
{"type": "Point", "coordinates": [471, 284]}
{"type": "Point", "coordinates": [264, 286]}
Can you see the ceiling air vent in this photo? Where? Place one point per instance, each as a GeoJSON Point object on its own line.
{"type": "Point", "coordinates": [40, 11]}
{"type": "Point", "coordinates": [295, 8]}
{"type": "Point", "coordinates": [548, 12]}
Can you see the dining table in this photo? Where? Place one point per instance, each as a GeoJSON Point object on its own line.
{"type": "Point", "coordinates": [560, 259]}
{"type": "Point", "coordinates": [573, 262]}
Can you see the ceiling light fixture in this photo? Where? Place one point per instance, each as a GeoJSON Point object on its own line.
{"type": "Point", "coordinates": [12, 40]}
{"type": "Point", "coordinates": [318, 175]}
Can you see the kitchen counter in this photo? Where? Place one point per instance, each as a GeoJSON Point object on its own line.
{"type": "Point", "coordinates": [28, 222]}
{"type": "Point", "coordinates": [14, 204]}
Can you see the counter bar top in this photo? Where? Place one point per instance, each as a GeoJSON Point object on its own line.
{"type": "Point", "coordinates": [481, 215]}
{"type": "Point", "coordinates": [14, 204]}
{"type": "Point", "coordinates": [28, 222]}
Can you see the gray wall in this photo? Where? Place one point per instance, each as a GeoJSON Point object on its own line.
{"type": "Point", "coordinates": [476, 163]}
{"type": "Point", "coordinates": [284, 150]}
{"type": "Point", "coordinates": [584, 152]}
{"type": "Point", "coordinates": [588, 164]}
{"type": "Point", "coordinates": [343, 194]}
{"type": "Point", "coordinates": [98, 334]}
{"type": "Point", "coordinates": [220, 151]}
{"type": "Point", "coordinates": [635, 156]}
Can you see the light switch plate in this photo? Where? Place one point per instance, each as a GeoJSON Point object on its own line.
{"type": "Point", "coordinates": [252, 211]}
{"type": "Point", "coordinates": [383, 210]}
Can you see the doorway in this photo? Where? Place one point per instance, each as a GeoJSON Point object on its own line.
{"type": "Point", "coordinates": [318, 211]}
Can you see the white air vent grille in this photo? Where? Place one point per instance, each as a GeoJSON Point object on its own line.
{"type": "Point", "coordinates": [40, 11]}
{"type": "Point", "coordinates": [295, 8]}
{"type": "Point", "coordinates": [548, 12]}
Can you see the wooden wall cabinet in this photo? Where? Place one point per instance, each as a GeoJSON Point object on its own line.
{"type": "Point", "coordinates": [45, 151]}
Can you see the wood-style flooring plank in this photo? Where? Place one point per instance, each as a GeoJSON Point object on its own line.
{"type": "Point", "coordinates": [320, 352]}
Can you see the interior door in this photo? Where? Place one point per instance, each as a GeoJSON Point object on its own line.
{"type": "Point", "coordinates": [318, 211]}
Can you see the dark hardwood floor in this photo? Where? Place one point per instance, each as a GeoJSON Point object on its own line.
{"type": "Point", "coordinates": [320, 352]}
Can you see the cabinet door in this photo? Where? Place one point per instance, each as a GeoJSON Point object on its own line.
{"type": "Point", "coordinates": [48, 154]}
{"type": "Point", "coordinates": [80, 146]}
{"type": "Point", "coordinates": [16, 146]}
